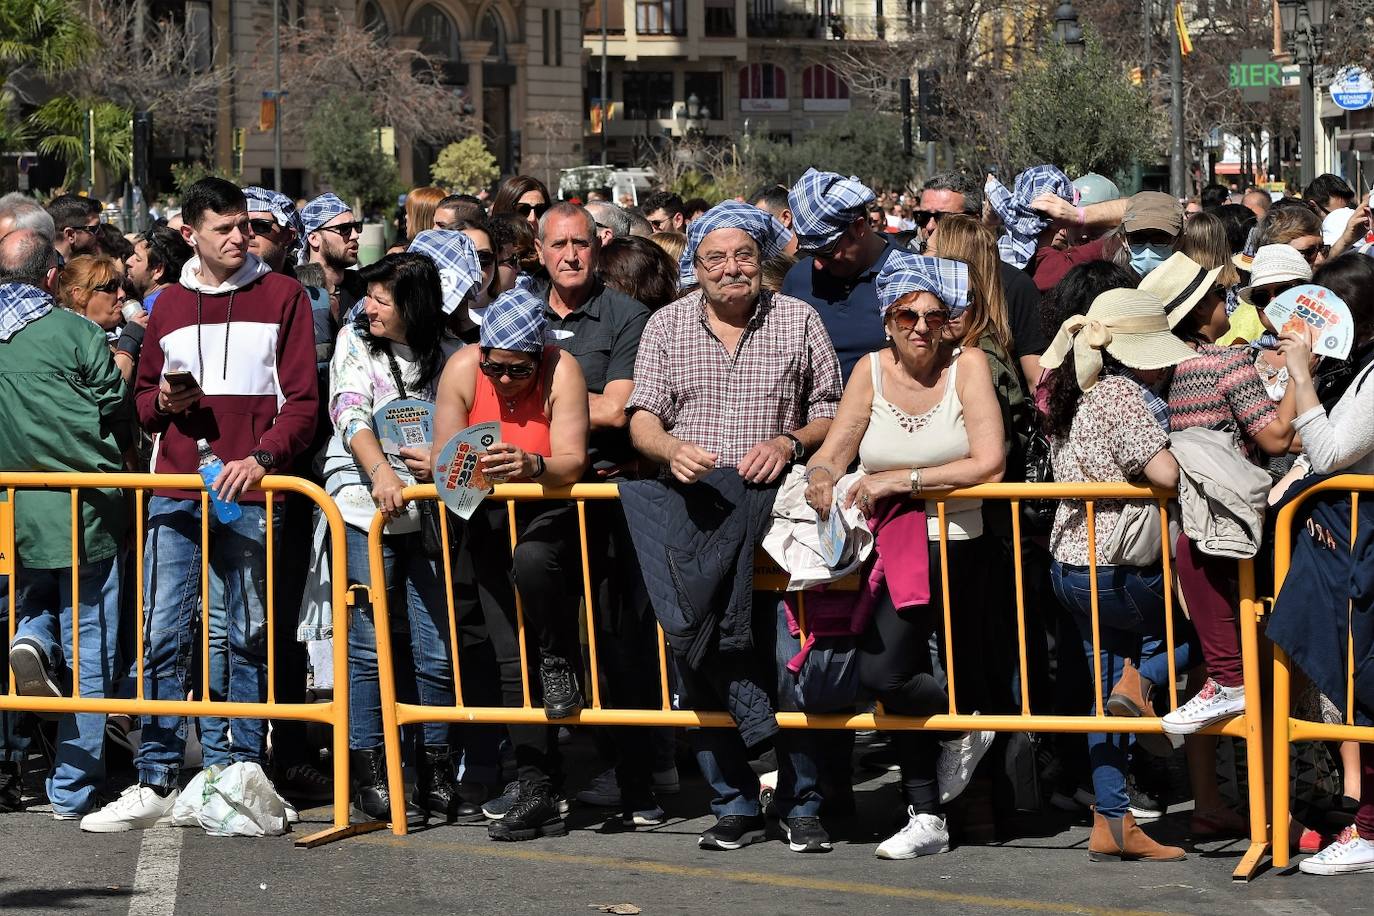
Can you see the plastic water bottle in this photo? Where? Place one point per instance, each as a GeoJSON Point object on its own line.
{"type": "Point", "coordinates": [210, 469]}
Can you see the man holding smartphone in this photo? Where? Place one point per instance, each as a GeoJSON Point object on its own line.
{"type": "Point", "coordinates": [229, 358]}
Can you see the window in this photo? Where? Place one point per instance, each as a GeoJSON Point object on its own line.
{"type": "Point", "coordinates": [720, 18]}
{"type": "Point", "coordinates": [614, 11]}
{"type": "Point", "coordinates": [661, 17]}
{"type": "Point", "coordinates": [823, 89]}
{"type": "Point", "coordinates": [553, 38]}
{"type": "Point", "coordinates": [762, 87]}
{"type": "Point", "coordinates": [491, 30]}
{"type": "Point", "coordinates": [648, 95]}
{"type": "Point", "coordinates": [438, 35]}
{"type": "Point", "coordinates": [374, 20]}
{"type": "Point", "coordinates": [707, 87]}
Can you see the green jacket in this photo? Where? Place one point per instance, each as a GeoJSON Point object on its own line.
{"type": "Point", "coordinates": [62, 401]}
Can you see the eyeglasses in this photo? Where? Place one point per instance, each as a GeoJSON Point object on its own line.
{"type": "Point", "coordinates": [109, 286]}
{"type": "Point", "coordinates": [345, 230]}
{"type": "Point", "coordinates": [513, 262]}
{"type": "Point", "coordinates": [486, 259]}
{"type": "Point", "coordinates": [908, 319]}
{"type": "Point", "coordinates": [494, 370]}
{"type": "Point", "coordinates": [922, 217]}
{"type": "Point", "coordinates": [262, 226]}
{"type": "Point", "coordinates": [1310, 253]}
{"type": "Point", "coordinates": [525, 209]}
{"type": "Point", "coordinates": [715, 261]}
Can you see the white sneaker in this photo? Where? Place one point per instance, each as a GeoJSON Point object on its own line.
{"type": "Point", "coordinates": [958, 759]}
{"type": "Point", "coordinates": [604, 792]}
{"type": "Point", "coordinates": [1347, 856]}
{"type": "Point", "coordinates": [1212, 704]}
{"type": "Point", "coordinates": [137, 808]}
{"type": "Point", "coordinates": [923, 835]}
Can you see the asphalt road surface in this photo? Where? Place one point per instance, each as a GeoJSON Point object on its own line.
{"type": "Point", "coordinates": [51, 867]}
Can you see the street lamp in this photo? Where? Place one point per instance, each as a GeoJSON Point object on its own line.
{"type": "Point", "coordinates": [1303, 22]}
{"type": "Point", "coordinates": [1066, 28]}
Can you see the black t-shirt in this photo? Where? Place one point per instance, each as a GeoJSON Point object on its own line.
{"type": "Point", "coordinates": [1023, 311]}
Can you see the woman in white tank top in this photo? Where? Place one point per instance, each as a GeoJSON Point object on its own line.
{"type": "Point", "coordinates": [921, 416]}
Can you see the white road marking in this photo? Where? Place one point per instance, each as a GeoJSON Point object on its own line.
{"type": "Point", "coordinates": [155, 878]}
{"type": "Point", "coordinates": [1289, 908]}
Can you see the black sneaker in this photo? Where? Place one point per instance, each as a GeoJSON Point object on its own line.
{"type": "Point", "coordinates": [733, 831]}
{"type": "Point", "coordinates": [562, 698]}
{"type": "Point", "coordinates": [1143, 805]}
{"type": "Point", "coordinates": [11, 786]}
{"type": "Point", "coordinates": [498, 807]}
{"type": "Point", "coordinates": [32, 672]}
{"type": "Point", "coordinates": [304, 782]}
{"type": "Point", "coordinates": [534, 814]}
{"type": "Point", "coordinates": [805, 834]}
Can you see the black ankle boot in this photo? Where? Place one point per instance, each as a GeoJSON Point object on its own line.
{"type": "Point", "coordinates": [11, 786]}
{"type": "Point", "coordinates": [435, 791]}
{"type": "Point", "coordinates": [372, 797]}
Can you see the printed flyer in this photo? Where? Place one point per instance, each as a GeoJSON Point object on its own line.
{"type": "Point", "coordinates": [458, 473]}
{"type": "Point", "coordinates": [1315, 307]}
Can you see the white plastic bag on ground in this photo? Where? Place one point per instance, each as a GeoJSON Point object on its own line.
{"type": "Point", "coordinates": [238, 800]}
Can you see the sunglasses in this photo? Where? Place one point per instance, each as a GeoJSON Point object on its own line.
{"type": "Point", "coordinates": [908, 319]}
{"type": "Point", "coordinates": [91, 229]}
{"type": "Point", "coordinates": [109, 286]}
{"type": "Point", "coordinates": [1309, 254]}
{"type": "Point", "coordinates": [262, 226]}
{"type": "Point", "coordinates": [1261, 297]}
{"type": "Point", "coordinates": [513, 262]}
{"type": "Point", "coordinates": [494, 370]}
{"type": "Point", "coordinates": [486, 259]}
{"type": "Point", "coordinates": [344, 230]}
{"type": "Point", "coordinates": [922, 217]}
{"type": "Point", "coordinates": [525, 209]}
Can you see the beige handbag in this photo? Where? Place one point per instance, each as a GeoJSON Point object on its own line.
{"type": "Point", "coordinates": [1136, 539]}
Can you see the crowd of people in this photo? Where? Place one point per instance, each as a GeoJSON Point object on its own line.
{"type": "Point", "coordinates": [787, 370]}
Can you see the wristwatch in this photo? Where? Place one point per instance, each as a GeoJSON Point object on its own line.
{"type": "Point", "coordinates": [265, 458]}
{"type": "Point", "coordinates": [798, 450]}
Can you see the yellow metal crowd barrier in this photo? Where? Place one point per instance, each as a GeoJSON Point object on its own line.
{"type": "Point", "coordinates": [1247, 726]}
{"type": "Point", "coordinates": [333, 713]}
{"type": "Point", "coordinates": [1288, 729]}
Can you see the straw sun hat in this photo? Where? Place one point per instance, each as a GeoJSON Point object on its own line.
{"type": "Point", "coordinates": [1129, 324]}
{"type": "Point", "coordinates": [1180, 283]}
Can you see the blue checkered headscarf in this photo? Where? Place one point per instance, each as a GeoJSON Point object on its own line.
{"type": "Point", "coordinates": [772, 236]}
{"type": "Point", "coordinates": [823, 205]}
{"type": "Point", "coordinates": [515, 321]}
{"type": "Point", "coordinates": [1023, 224]}
{"type": "Point", "coordinates": [904, 272]}
{"type": "Point", "coordinates": [21, 304]}
{"type": "Point", "coordinates": [321, 210]}
{"type": "Point", "coordinates": [456, 259]}
{"type": "Point", "coordinates": [265, 200]}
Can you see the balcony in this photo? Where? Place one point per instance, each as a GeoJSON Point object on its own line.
{"type": "Point", "coordinates": [785, 25]}
{"type": "Point", "coordinates": [835, 27]}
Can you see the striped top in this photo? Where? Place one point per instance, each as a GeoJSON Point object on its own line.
{"type": "Point", "coordinates": [1220, 389]}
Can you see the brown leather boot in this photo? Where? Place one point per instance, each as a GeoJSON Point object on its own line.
{"type": "Point", "coordinates": [1121, 839]}
{"type": "Point", "coordinates": [1131, 695]}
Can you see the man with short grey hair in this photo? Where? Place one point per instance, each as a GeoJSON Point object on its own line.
{"type": "Point", "coordinates": [20, 211]}
{"type": "Point", "coordinates": [611, 221]}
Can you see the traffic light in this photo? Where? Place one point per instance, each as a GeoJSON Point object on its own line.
{"type": "Point", "coordinates": [929, 106]}
{"type": "Point", "coordinates": [143, 147]}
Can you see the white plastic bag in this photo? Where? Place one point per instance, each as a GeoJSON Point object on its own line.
{"type": "Point", "coordinates": [238, 800]}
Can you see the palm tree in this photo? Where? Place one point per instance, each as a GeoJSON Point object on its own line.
{"type": "Point", "coordinates": [63, 124]}
{"type": "Point", "coordinates": [51, 37]}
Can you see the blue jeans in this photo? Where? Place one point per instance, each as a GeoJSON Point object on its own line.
{"type": "Point", "coordinates": [44, 615]}
{"type": "Point", "coordinates": [720, 752]}
{"type": "Point", "coordinates": [13, 745]}
{"type": "Point", "coordinates": [415, 594]}
{"type": "Point", "coordinates": [172, 570]}
{"type": "Point", "coordinates": [1130, 609]}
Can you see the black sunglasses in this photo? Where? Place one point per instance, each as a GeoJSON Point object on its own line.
{"type": "Point", "coordinates": [344, 229]}
{"type": "Point", "coordinates": [109, 286]}
{"type": "Point", "coordinates": [496, 370]}
{"type": "Point", "coordinates": [262, 226]}
{"type": "Point", "coordinates": [925, 216]}
{"type": "Point", "coordinates": [1261, 297]}
{"type": "Point", "coordinates": [513, 261]}
{"type": "Point", "coordinates": [91, 229]}
{"type": "Point", "coordinates": [524, 209]}
{"type": "Point", "coordinates": [486, 259]}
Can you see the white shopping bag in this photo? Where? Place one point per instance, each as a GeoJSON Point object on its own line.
{"type": "Point", "coordinates": [237, 800]}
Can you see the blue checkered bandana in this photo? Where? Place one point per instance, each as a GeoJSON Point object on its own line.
{"type": "Point", "coordinates": [824, 204]}
{"type": "Point", "coordinates": [1023, 224]}
{"type": "Point", "coordinates": [265, 200]}
{"type": "Point", "coordinates": [456, 259]}
{"type": "Point", "coordinates": [771, 235]}
{"type": "Point", "coordinates": [904, 272]}
{"type": "Point", "coordinates": [21, 304]}
{"type": "Point", "coordinates": [321, 210]}
{"type": "Point", "coordinates": [515, 321]}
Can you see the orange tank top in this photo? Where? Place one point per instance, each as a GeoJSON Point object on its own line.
{"type": "Point", "coordinates": [523, 422]}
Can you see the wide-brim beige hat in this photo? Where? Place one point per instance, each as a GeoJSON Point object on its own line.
{"type": "Point", "coordinates": [1276, 264]}
{"type": "Point", "coordinates": [1130, 324]}
{"type": "Point", "coordinates": [1180, 283]}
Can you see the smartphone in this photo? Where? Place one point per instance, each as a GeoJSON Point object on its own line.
{"type": "Point", "coordinates": [182, 380]}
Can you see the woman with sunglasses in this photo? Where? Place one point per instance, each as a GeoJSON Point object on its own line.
{"type": "Point", "coordinates": [93, 286]}
{"type": "Point", "coordinates": [395, 349]}
{"type": "Point", "coordinates": [523, 195]}
{"type": "Point", "coordinates": [921, 416]}
{"type": "Point", "coordinates": [537, 394]}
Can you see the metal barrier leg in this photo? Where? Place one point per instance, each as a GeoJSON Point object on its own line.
{"type": "Point", "coordinates": [1282, 700]}
{"type": "Point", "coordinates": [1249, 864]}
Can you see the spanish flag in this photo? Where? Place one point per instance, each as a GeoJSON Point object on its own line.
{"type": "Point", "coordinates": [1185, 43]}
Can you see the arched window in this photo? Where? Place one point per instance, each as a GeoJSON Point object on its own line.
{"type": "Point", "coordinates": [762, 87]}
{"type": "Point", "coordinates": [374, 20]}
{"type": "Point", "coordinates": [490, 29]}
{"type": "Point", "coordinates": [438, 35]}
{"type": "Point", "coordinates": [823, 89]}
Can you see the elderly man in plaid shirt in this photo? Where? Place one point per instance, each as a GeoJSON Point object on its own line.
{"type": "Point", "coordinates": [732, 376]}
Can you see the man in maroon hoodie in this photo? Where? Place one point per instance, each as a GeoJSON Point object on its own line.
{"type": "Point", "coordinates": [245, 335]}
